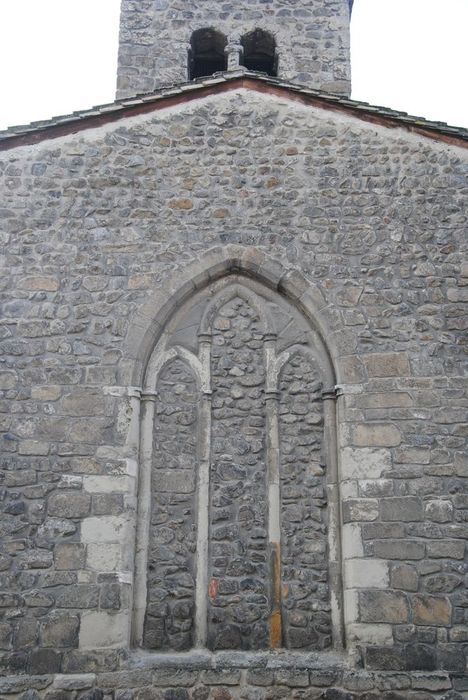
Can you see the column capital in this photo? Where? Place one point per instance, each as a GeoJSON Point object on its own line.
{"type": "Point", "coordinates": [204, 336]}
{"type": "Point", "coordinates": [330, 394]}
{"type": "Point", "coordinates": [148, 395]}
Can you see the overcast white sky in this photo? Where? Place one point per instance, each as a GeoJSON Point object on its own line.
{"type": "Point", "coordinates": [57, 56]}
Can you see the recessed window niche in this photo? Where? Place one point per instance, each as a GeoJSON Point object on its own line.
{"type": "Point", "coordinates": [235, 525]}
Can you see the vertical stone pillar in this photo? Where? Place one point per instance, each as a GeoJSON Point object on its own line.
{"type": "Point", "coordinates": [273, 482]}
{"type": "Point", "coordinates": [203, 510]}
{"type": "Point", "coordinates": [148, 399]}
{"type": "Point", "coordinates": [234, 52]}
{"type": "Point", "coordinates": [329, 397]}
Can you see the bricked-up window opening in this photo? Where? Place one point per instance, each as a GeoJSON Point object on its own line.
{"type": "Point", "coordinates": [260, 52]}
{"type": "Point", "coordinates": [235, 480]}
{"type": "Point", "coordinates": [206, 54]}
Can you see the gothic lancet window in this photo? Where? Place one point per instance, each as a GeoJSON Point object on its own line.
{"type": "Point", "coordinates": [237, 544]}
{"type": "Point", "coordinates": [260, 52]}
{"type": "Point", "coordinates": [206, 53]}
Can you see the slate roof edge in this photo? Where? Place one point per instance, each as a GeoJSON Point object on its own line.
{"type": "Point", "coordinates": [171, 95]}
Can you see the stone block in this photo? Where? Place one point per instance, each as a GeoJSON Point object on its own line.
{"type": "Point", "coordinates": [108, 528]}
{"type": "Point", "coordinates": [103, 557]}
{"type": "Point", "coordinates": [375, 435]}
{"type": "Point", "coordinates": [69, 504]}
{"type": "Point", "coordinates": [360, 509]}
{"type": "Point", "coordinates": [366, 573]}
{"type": "Point", "coordinates": [108, 484]}
{"type": "Point", "coordinates": [104, 630]}
{"type": "Point", "coordinates": [390, 399]}
{"type": "Point", "coordinates": [377, 634]}
{"type": "Point", "coordinates": [399, 549]}
{"type": "Point", "coordinates": [81, 596]}
{"type": "Point", "coordinates": [107, 504]}
{"type": "Point", "coordinates": [420, 657]}
{"type": "Point", "coordinates": [446, 549]}
{"type": "Point", "coordinates": [459, 633]}
{"type": "Point", "coordinates": [438, 511]}
{"type": "Point", "coordinates": [83, 402]}
{"type": "Point", "coordinates": [376, 488]}
{"type": "Point", "coordinates": [401, 509]}
{"type": "Point", "coordinates": [39, 283]}
{"type": "Point", "coordinates": [44, 661]}
{"type": "Point", "coordinates": [387, 364]}
{"type": "Point", "coordinates": [74, 681]}
{"type": "Point", "coordinates": [431, 610]}
{"type": "Point", "coordinates": [364, 463]}
{"type": "Point", "coordinates": [405, 577]}
{"type": "Point", "coordinates": [452, 657]}
{"type": "Point", "coordinates": [69, 556]}
{"type": "Point", "coordinates": [351, 370]}
{"type": "Point", "coordinates": [432, 681]}
{"type": "Point", "coordinates": [8, 380]}
{"type": "Point", "coordinates": [351, 541]}
{"type": "Point", "coordinates": [292, 678]}
{"type": "Point", "coordinates": [25, 634]}
{"type": "Point", "coordinates": [412, 455]}
{"type": "Point", "coordinates": [33, 447]}
{"type": "Point", "coordinates": [383, 606]}
{"type": "Point", "coordinates": [60, 630]}
{"type": "Point", "coordinates": [384, 658]}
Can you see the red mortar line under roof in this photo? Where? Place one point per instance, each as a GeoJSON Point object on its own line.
{"type": "Point", "coordinates": [160, 102]}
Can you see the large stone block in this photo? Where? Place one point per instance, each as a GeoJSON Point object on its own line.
{"type": "Point", "coordinates": [60, 630]}
{"type": "Point", "coordinates": [383, 606]}
{"type": "Point", "coordinates": [387, 364]}
{"type": "Point", "coordinates": [431, 610]}
{"type": "Point", "coordinates": [360, 509]}
{"type": "Point", "coordinates": [401, 509]}
{"type": "Point", "coordinates": [376, 435]}
{"type": "Point", "coordinates": [103, 630]}
{"type": "Point", "coordinates": [69, 556]}
{"type": "Point", "coordinates": [364, 462]}
{"type": "Point", "coordinates": [69, 504]}
{"type": "Point", "coordinates": [399, 549]}
{"type": "Point", "coordinates": [366, 573]}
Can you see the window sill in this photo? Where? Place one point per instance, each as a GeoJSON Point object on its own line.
{"type": "Point", "coordinates": [202, 659]}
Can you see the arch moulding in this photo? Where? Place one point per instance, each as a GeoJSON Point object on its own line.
{"type": "Point", "coordinates": [149, 321]}
{"type": "Point", "coordinates": [148, 333]}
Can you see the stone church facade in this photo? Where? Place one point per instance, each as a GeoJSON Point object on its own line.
{"type": "Point", "coordinates": [233, 379]}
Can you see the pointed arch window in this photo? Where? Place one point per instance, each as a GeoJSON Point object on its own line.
{"type": "Point", "coordinates": [259, 52]}
{"type": "Point", "coordinates": [235, 536]}
{"type": "Point", "coordinates": [206, 53]}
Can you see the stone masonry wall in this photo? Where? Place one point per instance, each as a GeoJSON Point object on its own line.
{"type": "Point", "coordinates": [304, 538]}
{"type": "Point", "coordinates": [172, 539]}
{"type": "Point", "coordinates": [312, 40]}
{"type": "Point", "coordinates": [238, 547]}
{"type": "Point", "coordinates": [93, 224]}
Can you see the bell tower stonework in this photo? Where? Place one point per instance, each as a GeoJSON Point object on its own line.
{"type": "Point", "coordinates": [308, 42]}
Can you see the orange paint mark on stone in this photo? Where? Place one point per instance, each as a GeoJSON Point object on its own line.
{"type": "Point", "coordinates": [213, 588]}
{"type": "Point", "coordinates": [275, 629]}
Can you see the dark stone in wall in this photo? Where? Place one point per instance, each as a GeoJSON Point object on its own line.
{"type": "Point", "coordinates": [304, 543]}
{"type": "Point", "coordinates": [171, 558]}
{"type": "Point", "coordinates": [239, 573]}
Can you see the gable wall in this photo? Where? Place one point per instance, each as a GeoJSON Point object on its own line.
{"type": "Point", "coordinates": [94, 225]}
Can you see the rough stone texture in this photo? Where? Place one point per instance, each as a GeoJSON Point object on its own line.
{"type": "Point", "coordinates": [312, 43]}
{"type": "Point", "coordinates": [374, 220]}
{"type": "Point", "coordinates": [198, 681]}
{"type": "Point", "coordinates": [239, 603]}
{"type": "Point", "coordinates": [306, 605]}
{"type": "Point", "coordinates": [173, 525]}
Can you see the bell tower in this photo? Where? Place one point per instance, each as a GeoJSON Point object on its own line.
{"type": "Point", "coordinates": [164, 42]}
